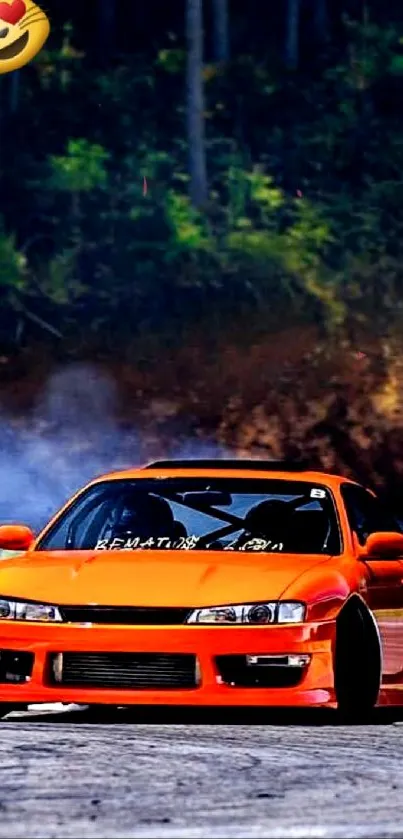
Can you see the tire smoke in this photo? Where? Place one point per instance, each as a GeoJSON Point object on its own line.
{"type": "Point", "coordinates": [71, 436]}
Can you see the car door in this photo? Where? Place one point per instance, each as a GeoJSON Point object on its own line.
{"type": "Point", "coordinates": [366, 514]}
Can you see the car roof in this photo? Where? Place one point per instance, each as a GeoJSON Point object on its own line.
{"type": "Point", "coordinates": [229, 468]}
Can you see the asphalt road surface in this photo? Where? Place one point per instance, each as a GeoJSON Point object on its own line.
{"type": "Point", "coordinates": [66, 775]}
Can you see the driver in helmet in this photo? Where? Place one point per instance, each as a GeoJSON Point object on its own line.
{"type": "Point", "coordinates": [270, 521]}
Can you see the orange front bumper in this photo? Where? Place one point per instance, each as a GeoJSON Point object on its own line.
{"type": "Point", "coordinates": [315, 688]}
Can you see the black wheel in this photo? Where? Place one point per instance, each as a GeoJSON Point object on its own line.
{"type": "Point", "coordinates": [102, 713]}
{"type": "Point", "coordinates": [358, 662]}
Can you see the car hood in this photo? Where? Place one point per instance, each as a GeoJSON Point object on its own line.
{"type": "Point", "coordinates": [148, 578]}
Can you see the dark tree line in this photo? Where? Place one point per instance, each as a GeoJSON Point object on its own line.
{"type": "Point", "coordinates": [156, 155]}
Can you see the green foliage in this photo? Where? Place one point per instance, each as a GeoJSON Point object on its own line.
{"type": "Point", "coordinates": [171, 60]}
{"type": "Point", "coordinates": [12, 263]}
{"type": "Point", "coordinates": [306, 188]}
{"type": "Point", "coordinates": [60, 284]}
{"type": "Point", "coordinates": [81, 169]}
{"type": "Point", "coordinates": [189, 232]}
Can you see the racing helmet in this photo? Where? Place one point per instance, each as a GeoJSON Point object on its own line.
{"type": "Point", "coordinates": [145, 515]}
{"type": "Point", "coordinates": [269, 520]}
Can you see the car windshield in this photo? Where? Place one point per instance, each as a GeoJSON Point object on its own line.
{"type": "Point", "coordinates": [262, 515]}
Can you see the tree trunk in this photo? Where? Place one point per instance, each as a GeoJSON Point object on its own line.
{"type": "Point", "coordinates": [321, 22]}
{"type": "Point", "coordinates": [221, 30]}
{"type": "Point", "coordinates": [195, 103]}
{"type": "Point", "coordinates": [14, 96]}
{"type": "Point", "coordinates": [292, 35]}
{"type": "Point", "coordinates": [106, 28]}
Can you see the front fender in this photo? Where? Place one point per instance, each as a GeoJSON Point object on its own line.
{"type": "Point", "coordinates": [325, 593]}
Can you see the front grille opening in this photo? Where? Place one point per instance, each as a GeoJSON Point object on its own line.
{"type": "Point", "coordinates": [134, 671]}
{"type": "Point", "coordinates": [15, 666]}
{"type": "Point", "coordinates": [125, 615]}
{"type": "Point", "coordinates": [235, 671]}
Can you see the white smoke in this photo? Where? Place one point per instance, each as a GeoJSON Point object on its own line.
{"type": "Point", "coordinates": [73, 435]}
{"type": "Point", "coordinates": [70, 436]}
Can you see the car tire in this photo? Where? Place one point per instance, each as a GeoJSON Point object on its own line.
{"type": "Point", "coordinates": [357, 663]}
{"type": "Point", "coordinates": [102, 713]}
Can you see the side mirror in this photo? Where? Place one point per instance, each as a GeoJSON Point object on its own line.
{"type": "Point", "coordinates": [383, 545]}
{"type": "Point", "coordinates": [15, 537]}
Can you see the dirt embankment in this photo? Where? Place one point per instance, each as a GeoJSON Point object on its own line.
{"type": "Point", "coordinates": [284, 395]}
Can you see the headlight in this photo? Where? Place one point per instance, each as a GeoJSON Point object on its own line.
{"type": "Point", "coordinates": [16, 610]}
{"type": "Point", "coordinates": [251, 613]}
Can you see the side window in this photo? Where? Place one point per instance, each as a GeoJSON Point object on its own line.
{"type": "Point", "coordinates": [366, 514]}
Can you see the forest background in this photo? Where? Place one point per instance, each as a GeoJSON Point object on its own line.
{"type": "Point", "coordinates": [201, 249]}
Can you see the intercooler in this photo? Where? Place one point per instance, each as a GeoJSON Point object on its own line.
{"type": "Point", "coordinates": [124, 670]}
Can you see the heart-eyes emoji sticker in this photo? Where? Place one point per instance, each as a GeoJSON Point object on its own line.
{"type": "Point", "coordinates": [24, 28]}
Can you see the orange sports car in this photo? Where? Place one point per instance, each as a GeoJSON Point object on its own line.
{"type": "Point", "coordinates": [214, 583]}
